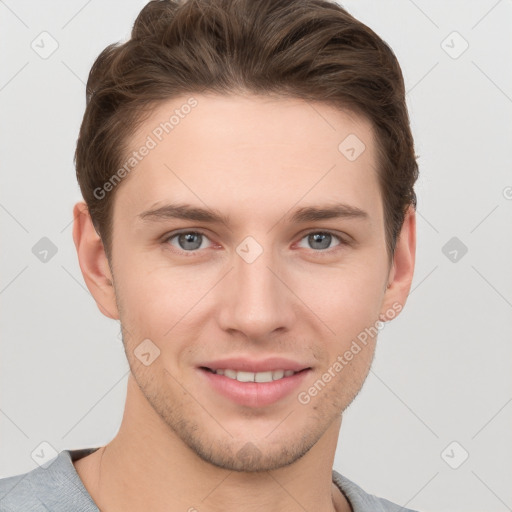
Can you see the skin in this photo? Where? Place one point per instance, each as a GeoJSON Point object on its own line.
{"type": "Point", "coordinates": [256, 159]}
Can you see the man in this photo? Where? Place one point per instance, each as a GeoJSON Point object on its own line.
{"type": "Point", "coordinates": [247, 168]}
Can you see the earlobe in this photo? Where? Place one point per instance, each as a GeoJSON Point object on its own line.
{"type": "Point", "coordinates": [402, 270]}
{"type": "Point", "coordinates": [93, 261]}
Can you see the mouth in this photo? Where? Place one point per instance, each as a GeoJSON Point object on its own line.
{"type": "Point", "coordinates": [261, 377]}
{"type": "Point", "coordinates": [255, 389]}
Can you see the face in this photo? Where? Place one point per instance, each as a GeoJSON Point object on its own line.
{"type": "Point", "coordinates": [248, 240]}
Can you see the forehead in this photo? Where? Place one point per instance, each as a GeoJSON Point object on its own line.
{"type": "Point", "coordinates": [250, 153]}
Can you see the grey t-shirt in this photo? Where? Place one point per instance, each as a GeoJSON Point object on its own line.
{"type": "Point", "coordinates": [56, 487]}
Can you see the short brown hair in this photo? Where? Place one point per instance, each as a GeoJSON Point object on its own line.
{"type": "Point", "coordinates": [306, 49]}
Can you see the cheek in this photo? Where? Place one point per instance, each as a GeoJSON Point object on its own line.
{"type": "Point", "coordinates": [158, 300]}
{"type": "Point", "coordinates": [346, 299]}
{"type": "Point", "coordinates": [353, 373]}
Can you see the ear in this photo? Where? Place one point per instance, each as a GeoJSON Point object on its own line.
{"type": "Point", "coordinates": [93, 261]}
{"type": "Point", "coordinates": [402, 270]}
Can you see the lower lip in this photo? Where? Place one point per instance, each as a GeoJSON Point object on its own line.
{"type": "Point", "coordinates": [254, 394]}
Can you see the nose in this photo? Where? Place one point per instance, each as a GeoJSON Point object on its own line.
{"type": "Point", "coordinates": [255, 298]}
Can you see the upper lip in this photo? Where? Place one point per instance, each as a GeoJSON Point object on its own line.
{"type": "Point", "coordinates": [250, 365]}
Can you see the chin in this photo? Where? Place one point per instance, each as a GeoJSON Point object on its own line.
{"type": "Point", "coordinates": [250, 458]}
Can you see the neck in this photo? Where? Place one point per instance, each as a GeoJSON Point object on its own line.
{"type": "Point", "coordinates": [147, 467]}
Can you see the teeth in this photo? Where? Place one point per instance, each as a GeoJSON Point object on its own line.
{"type": "Point", "coordinates": [278, 374]}
{"type": "Point", "coordinates": [263, 377]}
{"type": "Point", "coordinates": [268, 376]}
{"type": "Point", "coordinates": [230, 373]}
{"type": "Point", "coordinates": [245, 376]}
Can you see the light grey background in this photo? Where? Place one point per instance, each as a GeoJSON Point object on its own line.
{"type": "Point", "coordinates": [442, 368]}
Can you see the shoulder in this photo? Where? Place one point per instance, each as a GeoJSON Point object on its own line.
{"type": "Point", "coordinates": [16, 493]}
{"type": "Point", "coordinates": [361, 501]}
{"type": "Point", "coordinates": [55, 486]}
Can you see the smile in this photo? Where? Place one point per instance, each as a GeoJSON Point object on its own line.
{"type": "Point", "coordinates": [253, 389]}
{"type": "Point", "coordinates": [243, 376]}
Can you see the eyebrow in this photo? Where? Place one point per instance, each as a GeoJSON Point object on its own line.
{"type": "Point", "coordinates": [304, 214]}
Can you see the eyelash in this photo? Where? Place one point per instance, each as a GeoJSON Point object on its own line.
{"type": "Point", "coordinates": [169, 237]}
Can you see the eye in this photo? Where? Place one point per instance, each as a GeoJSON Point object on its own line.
{"type": "Point", "coordinates": [192, 241]}
{"type": "Point", "coordinates": [321, 240]}
{"type": "Point", "coordinates": [187, 241]}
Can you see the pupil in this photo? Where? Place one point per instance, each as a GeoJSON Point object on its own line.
{"type": "Point", "coordinates": [188, 238]}
{"type": "Point", "coordinates": [321, 237]}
